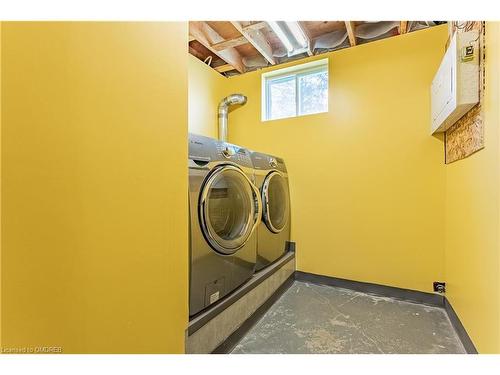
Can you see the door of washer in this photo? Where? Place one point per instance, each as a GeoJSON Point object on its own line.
{"type": "Point", "coordinates": [230, 209]}
{"type": "Point", "coordinates": [223, 241]}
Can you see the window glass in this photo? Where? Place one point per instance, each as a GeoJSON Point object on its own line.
{"type": "Point", "coordinates": [313, 90]}
{"type": "Point", "coordinates": [282, 97]}
{"type": "Point", "coordinates": [230, 205]}
{"type": "Point", "coordinates": [295, 91]}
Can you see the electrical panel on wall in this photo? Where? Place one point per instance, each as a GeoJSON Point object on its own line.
{"type": "Point", "coordinates": [455, 87]}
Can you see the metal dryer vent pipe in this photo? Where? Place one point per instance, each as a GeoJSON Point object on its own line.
{"type": "Point", "coordinates": [223, 111]}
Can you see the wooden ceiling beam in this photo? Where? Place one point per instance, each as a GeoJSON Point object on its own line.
{"type": "Point", "coordinates": [256, 26]}
{"type": "Point", "coordinates": [350, 26]}
{"type": "Point", "coordinates": [257, 39]}
{"type": "Point", "coordinates": [230, 43]}
{"type": "Point", "coordinates": [207, 36]}
{"type": "Point", "coordinates": [224, 68]}
{"type": "Point", "coordinates": [403, 27]}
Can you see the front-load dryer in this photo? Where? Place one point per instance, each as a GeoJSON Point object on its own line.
{"type": "Point", "coordinates": [225, 209]}
{"type": "Point", "coordinates": [273, 233]}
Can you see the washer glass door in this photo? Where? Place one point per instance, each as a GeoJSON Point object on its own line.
{"type": "Point", "coordinates": [276, 201]}
{"type": "Point", "coordinates": [228, 209]}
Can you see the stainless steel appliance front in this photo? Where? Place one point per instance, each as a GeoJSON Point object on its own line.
{"type": "Point", "coordinates": [225, 210]}
{"type": "Point", "coordinates": [273, 233]}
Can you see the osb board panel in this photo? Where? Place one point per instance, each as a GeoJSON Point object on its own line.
{"type": "Point", "coordinates": [466, 136]}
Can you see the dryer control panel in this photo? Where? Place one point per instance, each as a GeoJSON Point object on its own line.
{"type": "Point", "coordinates": [268, 162]}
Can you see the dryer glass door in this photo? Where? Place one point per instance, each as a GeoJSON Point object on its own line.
{"type": "Point", "coordinates": [228, 209]}
{"type": "Point", "coordinates": [276, 201]}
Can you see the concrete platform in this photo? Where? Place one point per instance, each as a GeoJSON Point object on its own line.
{"type": "Point", "coordinates": [312, 318]}
{"type": "Point", "coordinates": [216, 325]}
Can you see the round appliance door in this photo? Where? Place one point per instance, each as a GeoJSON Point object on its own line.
{"type": "Point", "coordinates": [229, 209]}
{"type": "Point", "coordinates": [276, 201]}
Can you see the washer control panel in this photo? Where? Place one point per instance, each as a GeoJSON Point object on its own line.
{"type": "Point", "coordinates": [234, 153]}
{"type": "Point", "coordinates": [227, 152]}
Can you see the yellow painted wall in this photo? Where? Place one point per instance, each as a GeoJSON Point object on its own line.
{"type": "Point", "coordinates": [0, 184]}
{"type": "Point", "coordinates": [472, 220]}
{"type": "Point", "coordinates": [94, 233]}
{"type": "Point", "coordinates": [367, 179]}
{"type": "Point", "coordinates": [206, 90]}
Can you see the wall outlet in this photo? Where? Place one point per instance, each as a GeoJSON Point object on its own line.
{"type": "Point", "coordinates": [439, 286]}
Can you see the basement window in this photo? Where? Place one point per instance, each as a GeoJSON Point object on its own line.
{"type": "Point", "coordinates": [295, 91]}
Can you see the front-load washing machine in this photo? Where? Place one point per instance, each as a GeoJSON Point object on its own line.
{"type": "Point", "coordinates": [273, 233]}
{"type": "Point", "coordinates": [225, 209]}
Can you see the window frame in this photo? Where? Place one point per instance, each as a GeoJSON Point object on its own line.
{"type": "Point", "coordinates": [284, 74]}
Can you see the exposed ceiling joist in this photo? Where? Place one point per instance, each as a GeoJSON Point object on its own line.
{"type": "Point", "coordinates": [224, 68]}
{"type": "Point", "coordinates": [207, 36]}
{"type": "Point", "coordinates": [350, 26]}
{"type": "Point", "coordinates": [403, 27]}
{"type": "Point", "coordinates": [256, 26]}
{"type": "Point", "coordinates": [230, 43]}
{"type": "Point", "coordinates": [228, 46]}
{"type": "Point", "coordinates": [258, 40]}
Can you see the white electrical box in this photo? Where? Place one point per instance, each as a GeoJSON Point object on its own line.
{"type": "Point", "coordinates": [455, 87]}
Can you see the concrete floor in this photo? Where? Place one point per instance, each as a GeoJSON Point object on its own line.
{"type": "Point", "coordinates": [311, 318]}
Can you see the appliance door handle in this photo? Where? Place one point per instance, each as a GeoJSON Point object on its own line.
{"type": "Point", "coordinates": [258, 201]}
